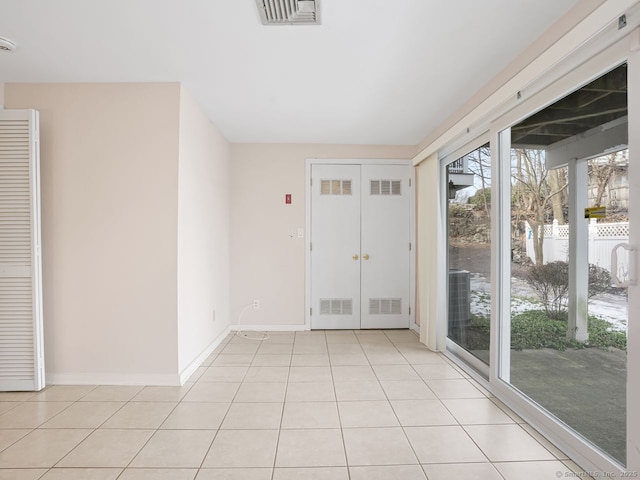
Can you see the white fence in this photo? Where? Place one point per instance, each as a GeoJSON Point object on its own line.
{"type": "Point", "coordinates": [602, 238]}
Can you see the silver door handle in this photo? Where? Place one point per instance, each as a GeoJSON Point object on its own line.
{"type": "Point", "coordinates": [632, 266]}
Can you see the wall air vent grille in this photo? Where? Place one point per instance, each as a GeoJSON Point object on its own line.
{"type": "Point", "coordinates": [289, 12]}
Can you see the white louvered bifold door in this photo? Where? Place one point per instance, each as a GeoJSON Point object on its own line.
{"type": "Point", "coordinates": [21, 348]}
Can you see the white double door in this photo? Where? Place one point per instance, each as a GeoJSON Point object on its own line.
{"type": "Point", "coordinates": [360, 255]}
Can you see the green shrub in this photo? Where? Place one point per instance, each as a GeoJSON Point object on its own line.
{"type": "Point", "coordinates": [599, 280]}
{"type": "Point", "coordinates": [551, 282]}
{"type": "Point", "coordinates": [481, 198]}
{"type": "Point", "coordinates": [601, 334]}
{"type": "Point", "coordinates": [457, 210]}
{"type": "Point", "coordinates": [534, 330]}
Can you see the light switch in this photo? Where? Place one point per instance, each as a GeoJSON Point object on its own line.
{"type": "Point", "coordinates": [301, 233]}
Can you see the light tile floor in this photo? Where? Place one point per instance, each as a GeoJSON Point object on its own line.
{"type": "Point", "coordinates": [343, 405]}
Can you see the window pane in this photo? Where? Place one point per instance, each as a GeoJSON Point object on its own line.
{"type": "Point", "coordinates": [568, 322]}
{"type": "Point", "coordinates": [469, 252]}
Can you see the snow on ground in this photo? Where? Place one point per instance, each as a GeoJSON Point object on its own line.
{"type": "Point", "coordinates": [608, 306]}
{"type": "Point", "coordinates": [612, 308]}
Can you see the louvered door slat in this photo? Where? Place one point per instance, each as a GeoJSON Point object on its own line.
{"type": "Point", "coordinates": [21, 356]}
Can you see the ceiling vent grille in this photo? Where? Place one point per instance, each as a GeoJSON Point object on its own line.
{"type": "Point", "coordinates": [289, 12]}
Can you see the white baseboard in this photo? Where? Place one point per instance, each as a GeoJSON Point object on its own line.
{"type": "Point", "coordinates": [160, 379]}
{"type": "Point", "coordinates": [193, 366]}
{"type": "Point", "coordinates": [269, 328]}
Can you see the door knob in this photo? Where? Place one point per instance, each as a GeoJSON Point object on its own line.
{"type": "Point", "coordinates": [355, 257]}
{"type": "Point", "coordinates": [365, 256]}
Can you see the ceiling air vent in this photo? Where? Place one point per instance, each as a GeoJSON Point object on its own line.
{"type": "Point", "coordinates": [289, 12]}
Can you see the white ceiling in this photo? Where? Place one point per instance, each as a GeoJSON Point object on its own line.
{"type": "Point", "coordinates": [374, 72]}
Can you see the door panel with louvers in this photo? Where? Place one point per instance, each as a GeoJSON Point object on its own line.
{"type": "Point", "coordinates": [21, 354]}
{"type": "Point", "coordinates": [335, 230]}
{"type": "Point", "coordinates": [386, 254]}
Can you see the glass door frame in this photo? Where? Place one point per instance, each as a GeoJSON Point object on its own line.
{"type": "Point", "coordinates": [575, 446]}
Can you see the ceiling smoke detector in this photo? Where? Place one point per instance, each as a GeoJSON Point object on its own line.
{"type": "Point", "coordinates": [7, 45]}
{"type": "Point", "coordinates": [289, 12]}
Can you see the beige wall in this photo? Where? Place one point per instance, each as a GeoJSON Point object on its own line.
{"type": "Point", "coordinates": [203, 232]}
{"type": "Point", "coordinates": [266, 263]}
{"type": "Point", "coordinates": [109, 228]}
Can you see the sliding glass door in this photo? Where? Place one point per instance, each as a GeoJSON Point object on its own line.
{"type": "Point", "coordinates": [564, 336]}
{"type": "Point", "coordinates": [542, 230]}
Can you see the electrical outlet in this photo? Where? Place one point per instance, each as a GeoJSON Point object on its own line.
{"type": "Point", "coordinates": [256, 304]}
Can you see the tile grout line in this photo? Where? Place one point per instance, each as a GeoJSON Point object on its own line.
{"type": "Point", "coordinates": [333, 385]}
{"type": "Point", "coordinates": [404, 432]}
{"type": "Point", "coordinates": [453, 416]}
{"type": "Point", "coordinates": [72, 402]}
{"type": "Point", "coordinates": [96, 429]}
{"type": "Point", "coordinates": [397, 346]}
{"type": "Point", "coordinates": [286, 389]}
{"type": "Point", "coordinates": [155, 430]}
{"type": "Point", "coordinates": [215, 436]}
